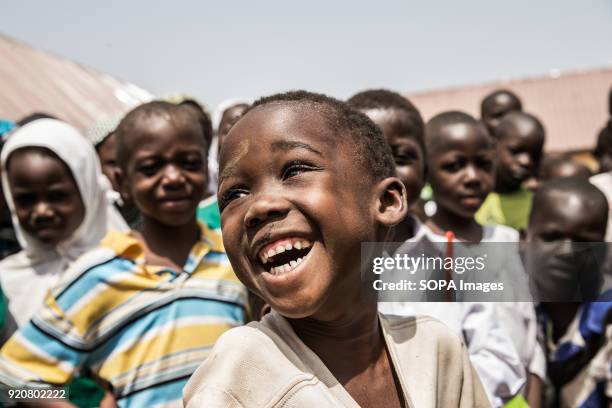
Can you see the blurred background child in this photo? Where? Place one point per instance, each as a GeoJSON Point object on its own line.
{"type": "Point", "coordinates": [496, 105]}
{"type": "Point", "coordinates": [519, 143]}
{"type": "Point", "coordinates": [568, 215]}
{"type": "Point", "coordinates": [102, 136]}
{"type": "Point", "coordinates": [404, 130]}
{"type": "Point", "coordinates": [52, 181]}
{"type": "Point", "coordinates": [143, 308]}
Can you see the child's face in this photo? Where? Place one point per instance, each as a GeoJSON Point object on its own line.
{"type": "Point", "coordinates": [495, 110]}
{"type": "Point", "coordinates": [47, 200]}
{"type": "Point", "coordinates": [108, 159]}
{"type": "Point", "coordinates": [604, 159]}
{"type": "Point", "coordinates": [559, 258]}
{"type": "Point", "coordinates": [518, 157]}
{"type": "Point", "coordinates": [229, 118]}
{"type": "Point", "coordinates": [461, 168]}
{"type": "Point", "coordinates": [295, 207]}
{"type": "Point", "coordinates": [166, 170]}
{"type": "Point", "coordinates": [407, 153]}
{"type": "Point", "coordinates": [566, 216]}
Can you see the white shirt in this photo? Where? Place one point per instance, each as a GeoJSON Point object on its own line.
{"type": "Point", "coordinates": [494, 332]}
{"type": "Point", "coordinates": [604, 183]}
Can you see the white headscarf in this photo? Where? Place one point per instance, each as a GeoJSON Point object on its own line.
{"type": "Point", "coordinates": [27, 276]}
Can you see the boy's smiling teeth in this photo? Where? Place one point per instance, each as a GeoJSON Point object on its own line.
{"type": "Point", "coordinates": [293, 251]}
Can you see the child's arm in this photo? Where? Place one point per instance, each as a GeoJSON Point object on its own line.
{"type": "Point", "coordinates": [492, 352]}
{"type": "Point", "coordinates": [43, 352]}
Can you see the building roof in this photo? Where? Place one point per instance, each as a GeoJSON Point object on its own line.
{"type": "Point", "coordinates": [573, 106]}
{"type": "Point", "coordinates": [36, 81]}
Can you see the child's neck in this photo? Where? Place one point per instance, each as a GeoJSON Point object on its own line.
{"type": "Point", "coordinates": [561, 316]}
{"type": "Point", "coordinates": [168, 245]}
{"type": "Point", "coordinates": [347, 347]}
{"type": "Point", "coordinates": [464, 229]}
{"type": "Point", "coordinates": [502, 187]}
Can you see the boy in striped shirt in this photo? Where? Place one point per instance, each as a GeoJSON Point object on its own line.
{"type": "Point", "coordinates": [142, 311]}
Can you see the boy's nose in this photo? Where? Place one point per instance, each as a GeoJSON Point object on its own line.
{"type": "Point", "coordinates": [41, 211]}
{"type": "Point", "coordinates": [264, 209]}
{"type": "Point", "coordinates": [524, 160]}
{"type": "Point", "coordinates": [172, 176]}
{"type": "Point", "coordinates": [471, 175]}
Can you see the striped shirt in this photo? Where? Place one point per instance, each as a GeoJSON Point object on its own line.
{"type": "Point", "coordinates": [143, 329]}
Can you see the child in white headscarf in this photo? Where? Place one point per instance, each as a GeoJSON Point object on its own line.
{"type": "Point", "coordinates": [58, 201]}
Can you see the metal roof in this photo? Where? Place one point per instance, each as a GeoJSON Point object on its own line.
{"type": "Point", "coordinates": [36, 81]}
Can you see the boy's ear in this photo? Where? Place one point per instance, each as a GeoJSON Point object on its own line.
{"type": "Point", "coordinates": [390, 205]}
{"type": "Point", "coordinates": [120, 179]}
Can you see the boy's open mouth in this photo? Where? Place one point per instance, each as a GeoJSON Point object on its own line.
{"type": "Point", "coordinates": [284, 255]}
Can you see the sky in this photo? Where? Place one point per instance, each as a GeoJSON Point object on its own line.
{"type": "Point", "coordinates": [220, 50]}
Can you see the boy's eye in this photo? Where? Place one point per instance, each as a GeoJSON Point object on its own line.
{"type": "Point", "coordinates": [453, 166]}
{"type": "Point", "coordinates": [292, 169]}
{"type": "Point", "coordinates": [148, 168]}
{"type": "Point", "coordinates": [550, 236]}
{"type": "Point", "coordinates": [485, 164]}
{"type": "Point", "coordinates": [404, 157]}
{"type": "Point", "coordinates": [24, 200]}
{"type": "Point", "coordinates": [193, 163]}
{"type": "Point", "coordinates": [58, 196]}
{"type": "Point", "coordinates": [230, 195]}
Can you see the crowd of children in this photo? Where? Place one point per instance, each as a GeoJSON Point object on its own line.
{"type": "Point", "coordinates": [167, 259]}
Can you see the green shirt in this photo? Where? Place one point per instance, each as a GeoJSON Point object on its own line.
{"type": "Point", "coordinates": [506, 209]}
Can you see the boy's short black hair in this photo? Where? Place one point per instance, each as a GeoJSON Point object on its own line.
{"type": "Point", "coordinates": [34, 116]}
{"type": "Point", "coordinates": [435, 124]}
{"type": "Point", "coordinates": [369, 142]}
{"type": "Point", "coordinates": [573, 185]}
{"type": "Point", "coordinates": [160, 108]}
{"type": "Point", "coordinates": [388, 100]}
{"type": "Point", "coordinates": [508, 122]}
{"type": "Point", "coordinates": [491, 97]}
{"type": "Point", "coordinates": [604, 141]}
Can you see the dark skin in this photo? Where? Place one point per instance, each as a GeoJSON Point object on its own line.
{"type": "Point", "coordinates": [228, 119]}
{"type": "Point", "coordinates": [164, 175]}
{"type": "Point", "coordinates": [567, 168]}
{"type": "Point", "coordinates": [519, 150]}
{"type": "Point", "coordinates": [407, 153]}
{"type": "Point", "coordinates": [47, 200]}
{"type": "Point", "coordinates": [409, 160]}
{"type": "Point", "coordinates": [565, 218]}
{"type": "Point", "coordinates": [107, 152]}
{"type": "Point", "coordinates": [283, 174]}
{"type": "Point", "coordinates": [461, 169]}
{"type": "Point", "coordinates": [494, 109]}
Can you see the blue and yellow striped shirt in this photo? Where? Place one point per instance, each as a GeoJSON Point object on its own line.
{"type": "Point", "coordinates": [143, 329]}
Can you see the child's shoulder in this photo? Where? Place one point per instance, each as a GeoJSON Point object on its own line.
{"type": "Point", "coordinates": [423, 332]}
{"type": "Point", "coordinates": [500, 233]}
{"type": "Point", "coordinates": [93, 266]}
{"type": "Point", "coordinates": [246, 364]}
{"type": "Point", "coordinates": [14, 260]}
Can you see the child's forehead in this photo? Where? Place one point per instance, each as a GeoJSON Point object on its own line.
{"type": "Point", "coordinates": [565, 206]}
{"type": "Point", "coordinates": [168, 128]}
{"type": "Point", "coordinates": [268, 123]}
{"type": "Point", "coordinates": [458, 136]}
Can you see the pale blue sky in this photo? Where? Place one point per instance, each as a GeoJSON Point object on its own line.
{"type": "Point", "coordinates": [251, 48]}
